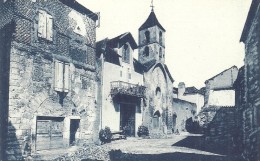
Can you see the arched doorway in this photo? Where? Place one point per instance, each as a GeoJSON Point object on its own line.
{"type": "Point", "coordinates": [156, 119]}
{"type": "Point", "coordinates": [174, 117]}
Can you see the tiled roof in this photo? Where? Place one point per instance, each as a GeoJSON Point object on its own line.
{"type": "Point", "coordinates": [151, 21]}
{"type": "Point", "coordinates": [192, 90]}
{"type": "Point", "coordinates": [221, 73]}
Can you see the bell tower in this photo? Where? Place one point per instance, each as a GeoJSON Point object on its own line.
{"type": "Point", "coordinates": [151, 40]}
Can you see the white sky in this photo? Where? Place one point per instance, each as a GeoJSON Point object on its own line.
{"type": "Point", "coordinates": [202, 36]}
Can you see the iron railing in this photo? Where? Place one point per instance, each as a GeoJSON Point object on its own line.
{"type": "Point", "coordinates": [124, 88]}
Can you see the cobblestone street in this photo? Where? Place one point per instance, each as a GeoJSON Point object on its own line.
{"type": "Point", "coordinates": [184, 147]}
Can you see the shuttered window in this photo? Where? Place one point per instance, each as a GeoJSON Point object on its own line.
{"type": "Point", "coordinates": [45, 25]}
{"type": "Point", "coordinates": [62, 77]}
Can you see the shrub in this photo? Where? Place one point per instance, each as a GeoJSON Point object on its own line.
{"type": "Point", "coordinates": [142, 131]}
{"type": "Point", "coordinates": [105, 135]}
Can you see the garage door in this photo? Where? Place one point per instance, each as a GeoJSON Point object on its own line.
{"type": "Point", "coordinates": [49, 133]}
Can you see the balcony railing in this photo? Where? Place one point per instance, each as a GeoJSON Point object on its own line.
{"type": "Point", "coordinates": [124, 88]}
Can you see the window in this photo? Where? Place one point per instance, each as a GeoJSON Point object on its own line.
{"type": "Point", "coordinates": [45, 25]}
{"type": "Point", "coordinates": [126, 55]}
{"type": "Point", "coordinates": [160, 37]}
{"type": "Point", "coordinates": [160, 53]}
{"type": "Point", "coordinates": [147, 36]}
{"type": "Point", "coordinates": [146, 51]}
{"type": "Point", "coordinates": [62, 79]}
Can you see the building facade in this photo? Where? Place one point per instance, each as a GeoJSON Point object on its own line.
{"type": "Point", "coordinates": [48, 79]}
{"type": "Point", "coordinates": [251, 113]}
{"type": "Point", "coordinates": [121, 84]}
{"type": "Point", "coordinates": [190, 94]}
{"type": "Point", "coordinates": [219, 89]}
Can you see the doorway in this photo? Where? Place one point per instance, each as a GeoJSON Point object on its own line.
{"type": "Point", "coordinates": [127, 118]}
{"type": "Point", "coordinates": [74, 126]}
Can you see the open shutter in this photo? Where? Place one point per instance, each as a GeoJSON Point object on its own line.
{"type": "Point", "coordinates": [58, 84]}
{"type": "Point", "coordinates": [42, 24]}
{"type": "Point", "coordinates": [49, 32]}
{"type": "Point", "coordinates": [66, 77]}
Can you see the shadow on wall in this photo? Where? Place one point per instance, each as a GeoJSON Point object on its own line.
{"type": "Point", "coordinates": [118, 155]}
{"type": "Point", "coordinates": [17, 149]}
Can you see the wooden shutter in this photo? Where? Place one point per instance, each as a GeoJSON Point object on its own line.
{"type": "Point", "coordinates": [49, 32]}
{"type": "Point", "coordinates": [66, 77]}
{"type": "Point", "coordinates": [42, 24]}
{"type": "Point", "coordinates": [58, 84]}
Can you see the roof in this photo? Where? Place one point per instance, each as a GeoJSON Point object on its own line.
{"type": "Point", "coordinates": [107, 46]}
{"type": "Point", "coordinates": [221, 73]}
{"type": "Point", "coordinates": [250, 18]}
{"type": "Point", "coordinates": [138, 67]}
{"type": "Point", "coordinates": [168, 72]}
{"type": "Point", "coordinates": [203, 90]}
{"type": "Point", "coordinates": [78, 7]}
{"type": "Point", "coordinates": [175, 90]}
{"type": "Point", "coordinates": [240, 78]}
{"type": "Point", "coordinates": [177, 100]}
{"type": "Point", "coordinates": [121, 40]}
{"type": "Point", "coordinates": [151, 21]}
{"type": "Point", "coordinates": [109, 53]}
{"type": "Point", "coordinates": [192, 90]}
{"type": "Point", "coordinates": [148, 65]}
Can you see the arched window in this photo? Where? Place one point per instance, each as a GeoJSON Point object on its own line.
{"type": "Point", "coordinates": [160, 37]}
{"type": "Point", "coordinates": [146, 51]}
{"type": "Point", "coordinates": [147, 36]}
{"type": "Point", "coordinates": [160, 53]}
{"type": "Point", "coordinates": [126, 55]}
{"type": "Point", "coordinates": [158, 92]}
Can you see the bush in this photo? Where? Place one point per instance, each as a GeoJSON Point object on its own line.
{"type": "Point", "coordinates": [105, 135]}
{"type": "Point", "coordinates": [142, 131]}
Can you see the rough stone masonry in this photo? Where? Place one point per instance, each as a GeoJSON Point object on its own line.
{"type": "Point", "coordinates": [48, 87]}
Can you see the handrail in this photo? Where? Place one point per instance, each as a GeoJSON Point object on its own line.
{"type": "Point", "coordinates": [120, 87]}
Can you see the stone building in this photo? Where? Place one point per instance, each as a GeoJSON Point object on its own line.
{"type": "Point", "coordinates": [219, 89]}
{"type": "Point", "coordinates": [48, 79]}
{"type": "Point", "coordinates": [251, 113]}
{"type": "Point", "coordinates": [182, 111]}
{"type": "Point", "coordinates": [121, 84]}
{"type": "Point", "coordinates": [190, 94]}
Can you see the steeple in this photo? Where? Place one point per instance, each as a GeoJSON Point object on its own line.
{"type": "Point", "coordinates": [151, 40]}
{"type": "Point", "coordinates": [151, 21]}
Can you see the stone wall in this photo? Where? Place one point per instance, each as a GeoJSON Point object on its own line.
{"type": "Point", "coordinates": [32, 74]}
{"type": "Point", "coordinates": [221, 130]}
{"type": "Point", "coordinates": [153, 45]}
{"type": "Point", "coordinates": [252, 86]}
{"type": "Point", "coordinates": [182, 110]}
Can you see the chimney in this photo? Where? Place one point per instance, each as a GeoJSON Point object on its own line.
{"type": "Point", "coordinates": [181, 89]}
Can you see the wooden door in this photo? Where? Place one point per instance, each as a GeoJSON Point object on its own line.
{"type": "Point", "coordinates": [127, 119]}
{"type": "Point", "coordinates": [49, 134]}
